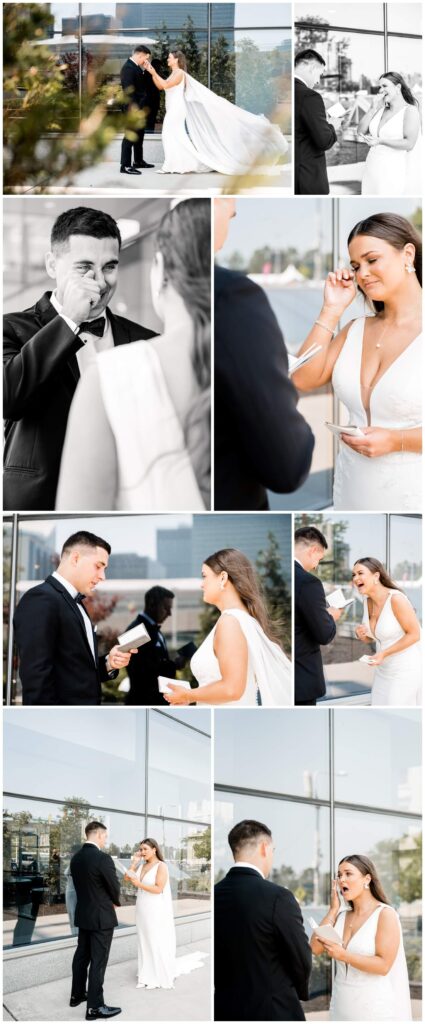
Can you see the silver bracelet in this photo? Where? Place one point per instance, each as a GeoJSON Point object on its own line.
{"type": "Point", "coordinates": [325, 327]}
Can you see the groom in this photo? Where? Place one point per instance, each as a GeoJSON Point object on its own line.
{"type": "Point", "coordinates": [315, 623]}
{"type": "Point", "coordinates": [262, 954]}
{"type": "Point", "coordinates": [98, 893]}
{"type": "Point", "coordinates": [139, 88]}
{"type": "Point", "coordinates": [57, 645]}
{"type": "Point", "coordinates": [314, 134]}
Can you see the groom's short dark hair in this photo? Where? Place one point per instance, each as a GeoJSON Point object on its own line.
{"type": "Point", "coordinates": [142, 49]}
{"type": "Point", "coordinates": [308, 57]}
{"type": "Point", "coordinates": [94, 826]}
{"type": "Point", "coordinates": [82, 220]}
{"type": "Point", "coordinates": [245, 833]}
{"type": "Point", "coordinates": [86, 540]}
{"type": "Point", "coordinates": [310, 535]}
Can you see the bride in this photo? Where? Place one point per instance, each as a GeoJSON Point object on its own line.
{"type": "Point", "coordinates": [390, 620]}
{"type": "Point", "coordinates": [156, 936]}
{"type": "Point", "coordinates": [204, 132]}
{"type": "Point", "coordinates": [241, 661]}
{"type": "Point", "coordinates": [371, 981]}
{"type": "Point", "coordinates": [374, 365]}
{"type": "Point", "coordinates": [147, 404]}
{"type": "Point", "coordinates": [392, 128]}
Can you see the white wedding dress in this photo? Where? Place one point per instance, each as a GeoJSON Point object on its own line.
{"type": "Point", "coordinates": [204, 132]}
{"type": "Point", "coordinates": [357, 995]}
{"type": "Point", "coordinates": [158, 965]}
{"type": "Point", "coordinates": [388, 171]}
{"type": "Point", "coordinates": [269, 676]}
{"type": "Point", "coordinates": [149, 468]}
{"type": "Point", "coordinates": [397, 682]}
{"type": "Point", "coordinates": [387, 483]}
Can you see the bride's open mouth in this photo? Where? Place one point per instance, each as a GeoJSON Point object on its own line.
{"type": "Point", "coordinates": [345, 889]}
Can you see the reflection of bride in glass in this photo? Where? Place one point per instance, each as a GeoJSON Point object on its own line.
{"type": "Point", "coordinates": [373, 363]}
{"type": "Point", "coordinates": [241, 661]}
{"type": "Point", "coordinates": [371, 981]}
{"type": "Point", "coordinates": [158, 965]}
{"type": "Point", "coordinates": [203, 131]}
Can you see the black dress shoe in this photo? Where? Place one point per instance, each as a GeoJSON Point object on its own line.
{"type": "Point", "coordinates": [143, 164]}
{"type": "Point", "coordinates": [129, 170]}
{"type": "Point", "coordinates": [76, 1000]}
{"type": "Point", "coordinates": [103, 1012]}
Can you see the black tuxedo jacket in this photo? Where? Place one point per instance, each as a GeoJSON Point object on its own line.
{"type": "Point", "coordinates": [261, 440]}
{"type": "Point", "coordinates": [313, 136]}
{"type": "Point", "coordinates": [141, 89]}
{"type": "Point", "coordinates": [313, 627]}
{"type": "Point", "coordinates": [262, 955]}
{"type": "Point", "coordinates": [56, 663]}
{"type": "Point", "coordinates": [144, 668]}
{"type": "Point", "coordinates": [97, 887]}
{"type": "Point", "coordinates": [40, 377]}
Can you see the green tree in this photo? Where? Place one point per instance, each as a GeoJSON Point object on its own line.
{"type": "Point", "coordinates": [195, 56]}
{"type": "Point", "coordinates": [275, 589]}
{"type": "Point", "coordinates": [47, 138]}
{"type": "Point", "coordinates": [162, 49]}
{"type": "Point", "coordinates": [334, 566]}
{"type": "Point", "coordinates": [223, 69]}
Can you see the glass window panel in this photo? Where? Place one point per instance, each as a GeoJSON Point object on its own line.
{"type": "Point", "coordinates": [404, 17]}
{"type": "Point", "coordinates": [187, 851]}
{"type": "Point", "coordinates": [97, 755]}
{"type": "Point", "coordinates": [301, 860]}
{"type": "Point", "coordinates": [199, 718]}
{"type": "Point", "coordinates": [7, 570]}
{"type": "Point", "coordinates": [39, 840]}
{"type": "Point", "coordinates": [405, 55]}
{"type": "Point", "coordinates": [394, 845]}
{"type": "Point", "coordinates": [256, 14]}
{"type": "Point", "coordinates": [266, 753]}
{"type": "Point", "coordinates": [175, 789]}
{"type": "Point", "coordinates": [391, 740]}
{"type": "Point", "coordinates": [406, 557]}
{"type": "Point", "coordinates": [349, 537]}
{"type": "Point", "coordinates": [342, 14]}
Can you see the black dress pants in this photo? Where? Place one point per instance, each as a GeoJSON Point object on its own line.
{"type": "Point", "coordinates": [127, 146]}
{"type": "Point", "coordinates": [91, 955]}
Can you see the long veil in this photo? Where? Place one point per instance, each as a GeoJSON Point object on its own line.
{"type": "Point", "coordinates": [227, 138]}
{"type": "Point", "coordinates": [400, 982]}
{"type": "Point", "coordinates": [269, 664]}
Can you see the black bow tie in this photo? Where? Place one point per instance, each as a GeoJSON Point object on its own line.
{"type": "Point", "coordinates": [93, 327]}
{"type": "Point", "coordinates": [79, 598]}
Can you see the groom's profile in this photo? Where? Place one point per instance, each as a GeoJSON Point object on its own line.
{"type": "Point", "coordinates": [314, 134]}
{"type": "Point", "coordinates": [315, 623]}
{"type": "Point", "coordinates": [262, 954]}
{"type": "Point", "coordinates": [48, 346]}
{"type": "Point", "coordinates": [98, 894]}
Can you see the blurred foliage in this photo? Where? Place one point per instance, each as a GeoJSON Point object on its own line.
{"type": "Point", "coordinates": [47, 137]}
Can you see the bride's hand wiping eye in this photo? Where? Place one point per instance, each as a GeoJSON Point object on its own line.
{"type": "Point", "coordinates": [340, 289]}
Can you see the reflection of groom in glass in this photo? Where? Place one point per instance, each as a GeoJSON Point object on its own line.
{"type": "Point", "coordinates": [262, 954]}
{"type": "Point", "coordinates": [314, 134]}
{"type": "Point", "coordinates": [152, 659]}
{"type": "Point", "coordinates": [315, 623]}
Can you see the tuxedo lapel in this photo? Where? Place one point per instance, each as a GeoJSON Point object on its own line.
{"type": "Point", "coordinates": [72, 604]}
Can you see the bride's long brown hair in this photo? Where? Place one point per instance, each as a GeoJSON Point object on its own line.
{"type": "Point", "coordinates": [374, 566]}
{"type": "Point", "coordinates": [245, 580]}
{"type": "Point", "coordinates": [395, 230]}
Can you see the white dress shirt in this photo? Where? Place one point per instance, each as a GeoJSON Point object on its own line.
{"type": "Point", "coordinates": [92, 344]}
{"type": "Point", "coordinates": [246, 864]}
{"type": "Point", "coordinates": [87, 623]}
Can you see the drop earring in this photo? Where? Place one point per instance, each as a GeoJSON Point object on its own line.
{"type": "Point", "coordinates": [409, 268]}
{"type": "Point", "coordinates": [366, 885]}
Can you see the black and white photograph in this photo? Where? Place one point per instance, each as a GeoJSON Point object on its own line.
{"type": "Point", "coordinates": [107, 354]}
{"type": "Point", "coordinates": [161, 97]}
{"type": "Point", "coordinates": [358, 99]}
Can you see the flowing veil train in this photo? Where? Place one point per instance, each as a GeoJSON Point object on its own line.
{"type": "Point", "coordinates": [226, 137]}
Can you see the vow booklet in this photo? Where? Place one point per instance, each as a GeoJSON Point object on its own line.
{"type": "Point", "coordinates": [335, 428]}
{"type": "Point", "coordinates": [133, 638]}
{"type": "Point", "coordinates": [337, 110]}
{"type": "Point", "coordinates": [164, 684]}
{"type": "Point", "coordinates": [337, 600]}
{"type": "Point", "coordinates": [294, 362]}
{"type": "Point", "coordinates": [123, 870]}
{"type": "Point", "coordinates": [325, 931]}
{"type": "Point", "coordinates": [367, 658]}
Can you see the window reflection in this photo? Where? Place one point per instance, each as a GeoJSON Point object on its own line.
{"type": "Point", "coordinates": [187, 851]}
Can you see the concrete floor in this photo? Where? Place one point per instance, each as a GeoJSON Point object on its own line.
{"type": "Point", "coordinates": [105, 177]}
{"type": "Point", "coordinates": [190, 999]}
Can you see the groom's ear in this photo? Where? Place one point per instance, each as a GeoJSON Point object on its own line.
{"type": "Point", "coordinates": [50, 261]}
